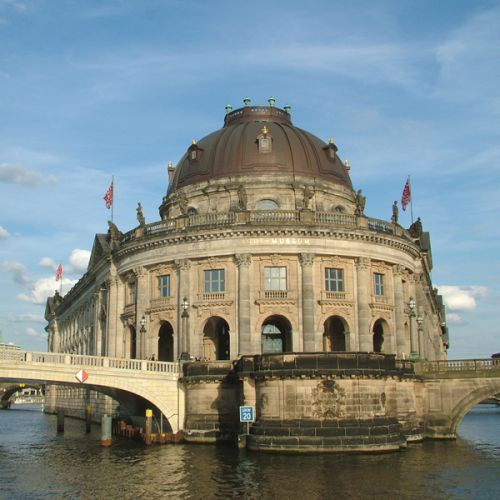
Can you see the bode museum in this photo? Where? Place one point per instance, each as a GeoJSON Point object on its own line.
{"type": "Point", "coordinates": [266, 280]}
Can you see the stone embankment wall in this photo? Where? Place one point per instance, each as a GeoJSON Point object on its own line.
{"type": "Point", "coordinates": [305, 402]}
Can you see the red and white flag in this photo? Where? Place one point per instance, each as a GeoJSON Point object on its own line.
{"type": "Point", "coordinates": [59, 272]}
{"type": "Point", "coordinates": [108, 197]}
{"type": "Point", "coordinates": [406, 197]}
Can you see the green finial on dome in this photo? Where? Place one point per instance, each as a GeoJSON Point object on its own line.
{"type": "Point", "coordinates": [271, 101]}
{"type": "Point", "coordinates": [229, 108]}
{"type": "Point", "coordinates": [287, 108]}
{"type": "Point", "coordinates": [247, 101]}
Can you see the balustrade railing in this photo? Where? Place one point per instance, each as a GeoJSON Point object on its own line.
{"type": "Point", "coordinates": [265, 217]}
{"type": "Point", "coordinates": [83, 360]}
{"type": "Point", "coordinates": [458, 365]}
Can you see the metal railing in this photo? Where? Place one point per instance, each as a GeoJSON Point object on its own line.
{"type": "Point", "coordinates": [83, 360]}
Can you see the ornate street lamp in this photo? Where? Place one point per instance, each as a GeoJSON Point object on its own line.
{"type": "Point", "coordinates": [143, 324]}
{"type": "Point", "coordinates": [185, 308]}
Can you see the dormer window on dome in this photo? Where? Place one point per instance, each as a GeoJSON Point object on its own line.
{"type": "Point", "coordinates": [194, 151]}
{"type": "Point", "coordinates": [331, 149]}
{"type": "Point", "coordinates": [265, 141]}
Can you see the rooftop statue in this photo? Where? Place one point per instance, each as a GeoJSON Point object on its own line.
{"type": "Point", "coordinates": [140, 215]}
{"type": "Point", "coordinates": [395, 213]}
{"type": "Point", "coordinates": [360, 202]}
{"type": "Point", "coordinates": [415, 229]}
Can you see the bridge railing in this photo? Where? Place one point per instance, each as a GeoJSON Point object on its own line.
{"type": "Point", "coordinates": [458, 365]}
{"type": "Point", "coordinates": [83, 360]}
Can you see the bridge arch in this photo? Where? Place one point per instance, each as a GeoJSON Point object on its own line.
{"type": "Point", "coordinates": [464, 405]}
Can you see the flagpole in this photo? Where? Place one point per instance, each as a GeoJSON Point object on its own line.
{"type": "Point", "coordinates": [411, 199]}
{"type": "Point", "coordinates": [113, 196]}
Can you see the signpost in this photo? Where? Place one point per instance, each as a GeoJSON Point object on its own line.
{"type": "Point", "coordinates": [247, 414]}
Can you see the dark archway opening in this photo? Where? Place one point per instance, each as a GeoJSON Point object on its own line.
{"type": "Point", "coordinates": [216, 340]}
{"type": "Point", "coordinates": [276, 335]}
{"type": "Point", "coordinates": [334, 338]}
{"type": "Point", "coordinates": [166, 342]}
{"type": "Point", "coordinates": [378, 336]}
{"type": "Point", "coordinates": [133, 343]}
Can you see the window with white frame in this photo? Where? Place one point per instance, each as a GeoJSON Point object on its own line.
{"type": "Point", "coordinates": [334, 279]}
{"type": "Point", "coordinates": [275, 278]}
{"type": "Point", "coordinates": [378, 283]}
{"type": "Point", "coordinates": [164, 285]}
{"type": "Point", "coordinates": [215, 280]}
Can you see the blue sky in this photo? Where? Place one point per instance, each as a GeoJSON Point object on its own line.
{"type": "Point", "coordinates": [91, 89]}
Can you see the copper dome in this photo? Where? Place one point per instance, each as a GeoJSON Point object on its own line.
{"type": "Point", "coordinates": [235, 150]}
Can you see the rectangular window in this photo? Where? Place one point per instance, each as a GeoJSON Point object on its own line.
{"type": "Point", "coordinates": [334, 279]}
{"type": "Point", "coordinates": [164, 285]}
{"type": "Point", "coordinates": [131, 293]}
{"type": "Point", "coordinates": [275, 278]}
{"type": "Point", "coordinates": [215, 281]}
{"type": "Point", "coordinates": [378, 283]}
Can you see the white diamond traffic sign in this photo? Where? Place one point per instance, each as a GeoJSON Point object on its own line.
{"type": "Point", "coordinates": [82, 376]}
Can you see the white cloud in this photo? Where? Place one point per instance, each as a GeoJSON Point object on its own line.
{"type": "Point", "coordinates": [44, 288]}
{"type": "Point", "coordinates": [48, 263]}
{"type": "Point", "coordinates": [28, 317]}
{"type": "Point", "coordinates": [4, 234]}
{"type": "Point", "coordinates": [17, 174]}
{"type": "Point", "coordinates": [79, 259]}
{"type": "Point", "coordinates": [461, 298]}
{"type": "Point", "coordinates": [454, 318]}
{"type": "Point", "coordinates": [32, 333]}
{"type": "Point", "coordinates": [18, 271]}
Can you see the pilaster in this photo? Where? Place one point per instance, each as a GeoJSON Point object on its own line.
{"type": "Point", "coordinates": [308, 331]}
{"type": "Point", "coordinates": [182, 339]}
{"type": "Point", "coordinates": [365, 340]}
{"type": "Point", "coordinates": [244, 263]}
{"type": "Point", "coordinates": [401, 347]}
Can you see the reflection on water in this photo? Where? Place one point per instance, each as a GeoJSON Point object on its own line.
{"type": "Point", "coordinates": [35, 462]}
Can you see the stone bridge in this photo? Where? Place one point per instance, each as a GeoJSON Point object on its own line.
{"type": "Point", "coordinates": [122, 379]}
{"type": "Point", "coordinates": [451, 389]}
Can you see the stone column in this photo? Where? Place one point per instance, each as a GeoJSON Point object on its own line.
{"type": "Point", "coordinates": [182, 341]}
{"type": "Point", "coordinates": [112, 317]}
{"type": "Point", "coordinates": [244, 262]}
{"type": "Point", "coordinates": [308, 326]}
{"type": "Point", "coordinates": [141, 304]}
{"type": "Point", "coordinates": [365, 340]}
{"type": "Point", "coordinates": [412, 323]}
{"type": "Point", "coordinates": [401, 348]}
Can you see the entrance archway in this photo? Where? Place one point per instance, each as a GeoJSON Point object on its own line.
{"type": "Point", "coordinates": [133, 343]}
{"type": "Point", "coordinates": [166, 342]}
{"type": "Point", "coordinates": [216, 339]}
{"type": "Point", "coordinates": [334, 337]}
{"type": "Point", "coordinates": [378, 335]}
{"type": "Point", "coordinates": [276, 335]}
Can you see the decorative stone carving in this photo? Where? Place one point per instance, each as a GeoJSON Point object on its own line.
{"type": "Point", "coordinates": [360, 203]}
{"type": "Point", "coordinates": [328, 400]}
{"type": "Point", "coordinates": [308, 196]}
{"type": "Point", "coordinates": [362, 263]}
{"type": "Point", "coordinates": [243, 259]}
{"type": "Point", "coordinates": [275, 259]}
{"type": "Point", "coordinates": [140, 215]}
{"type": "Point", "coordinates": [140, 272]}
{"type": "Point", "coordinates": [306, 259]}
{"type": "Point", "coordinates": [183, 264]}
{"type": "Point", "coordinates": [242, 198]}
{"type": "Point", "coordinates": [395, 213]}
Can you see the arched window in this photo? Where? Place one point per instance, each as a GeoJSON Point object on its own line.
{"type": "Point", "coordinates": [276, 335]}
{"type": "Point", "coordinates": [216, 344]}
{"type": "Point", "coordinates": [334, 338]}
{"type": "Point", "coordinates": [378, 336]}
{"type": "Point", "coordinates": [166, 342]}
{"type": "Point", "coordinates": [266, 204]}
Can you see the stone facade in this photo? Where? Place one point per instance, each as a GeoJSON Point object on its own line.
{"type": "Point", "coordinates": [262, 247]}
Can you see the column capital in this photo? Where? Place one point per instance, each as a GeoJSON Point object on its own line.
{"type": "Point", "coordinates": [398, 270]}
{"type": "Point", "coordinates": [182, 264]}
{"type": "Point", "coordinates": [140, 272]}
{"type": "Point", "coordinates": [243, 259]}
{"type": "Point", "coordinates": [306, 259]}
{"type": "Point", "coordinates": [362, 263]}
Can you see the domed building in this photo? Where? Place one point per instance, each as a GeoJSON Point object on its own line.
{"type": "Point", "coordinates": [262, 247]}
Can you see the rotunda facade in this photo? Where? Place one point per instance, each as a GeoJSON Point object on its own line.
{"type": "Point", "coordinates": [262, 247]}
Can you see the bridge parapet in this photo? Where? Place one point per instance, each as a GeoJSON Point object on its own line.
{"type": "Point", "coordinates": [459, 368]}
{"type": "Point", "coordinates": [90, 361]}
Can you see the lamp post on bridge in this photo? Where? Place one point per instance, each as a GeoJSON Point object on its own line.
{"type": "Point", "coordinates": [420, 323]}
{"type": "Point", "coordinates": [184, 315]}
{"type": "Point", "coordinates": [143, 336]}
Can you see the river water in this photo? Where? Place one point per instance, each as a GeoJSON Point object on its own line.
{"type": "Point", "coordinates": [36, 462]}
